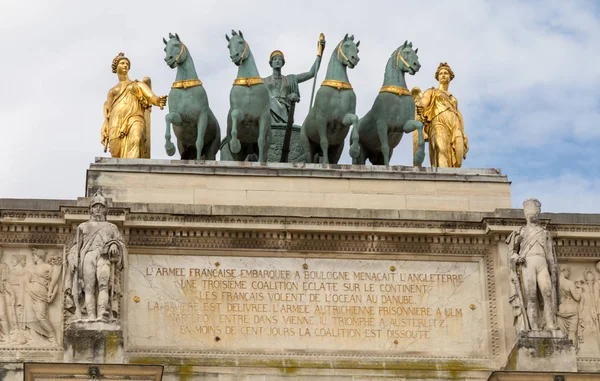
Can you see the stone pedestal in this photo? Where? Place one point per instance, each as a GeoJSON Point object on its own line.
{"type": "Point", "coordinates": [548, 351]}
{"type": "Point", "coordinates": [298, 185]}
{"type": "Point", "coordinates": [98, 343]}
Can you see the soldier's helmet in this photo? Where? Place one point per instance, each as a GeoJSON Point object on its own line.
{"type": "Point", "coordinates": [98, 199]}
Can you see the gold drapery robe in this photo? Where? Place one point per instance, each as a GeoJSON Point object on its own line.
{"type": "Point", "coordinates": [128, 113]}
{"type": "Point", "coordinates": [446, 124]}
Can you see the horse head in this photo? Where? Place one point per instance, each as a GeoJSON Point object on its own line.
{"type": "Point", "coordinates": [238, 47]}
{"type": "Point", "coordinates": [347, 51]}
{"type": "Point", "coordinates": [175, 51]}
{"type": "Point", "coordinates": [406, 58]}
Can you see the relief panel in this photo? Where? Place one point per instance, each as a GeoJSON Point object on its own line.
{"type": "Point", "coordinates": [30, 311]}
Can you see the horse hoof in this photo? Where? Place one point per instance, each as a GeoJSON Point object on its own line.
{"type": "Point", "coordinates": [235, 146]}
{"type": "Point", "coordinates": [354, 151]}
{"type": "Point", "coordinates": [170, 148]}
{"type": "Point", "coordinates": [419, 156]}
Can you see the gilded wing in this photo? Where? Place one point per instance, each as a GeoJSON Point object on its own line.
{"type": "Point", "coordinates": [147, 81]}
{"type": "Point", "coordinates": [417, 95]}
{"type": "Point", "coordinates": [145, 154]}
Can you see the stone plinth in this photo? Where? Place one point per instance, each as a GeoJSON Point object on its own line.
{"type": "Point", "coordinates": [547, 351]}
{"type": "Point", "coordinates": [543, 376]}
{"type": "Point", "coordinates": [299, 185]}
{"type": "Point", "coordinates": [98, 343]}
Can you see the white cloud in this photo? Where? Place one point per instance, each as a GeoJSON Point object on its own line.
{"type": "Point", "coordinates": [570, 192]}
{"type": "Point", "coordinates": [526, 75]}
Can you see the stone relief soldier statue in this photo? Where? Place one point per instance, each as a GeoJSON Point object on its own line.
{"type": "Point", "coordinates": [95, 265]}
{"type": "Point", "coordinates": [534, 273]}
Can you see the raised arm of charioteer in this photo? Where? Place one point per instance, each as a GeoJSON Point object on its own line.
{"type": "Point", "coordinates": [315, 67]}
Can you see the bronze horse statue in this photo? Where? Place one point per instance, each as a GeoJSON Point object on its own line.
{"type": "Point", "coordinates": [197, 130]}
{"type": "Point", "coordinates": [328, 122]}
{"type": "Point", "coordinates": [392, 114]}
{"type": "Point", "coordinates": [249, 117]}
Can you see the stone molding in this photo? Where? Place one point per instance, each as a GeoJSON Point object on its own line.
{"type": "Point", "coordinates": [393, 172]}
{"type": "Point", "coordinates": [476, 236]}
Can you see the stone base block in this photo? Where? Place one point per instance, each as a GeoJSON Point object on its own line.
{"type": "Point", "coordinates": [548, 351]}
{"type": "Point", "coordinates": [93, 343]}
{"type": "Point", "coordinates": [298, 185]}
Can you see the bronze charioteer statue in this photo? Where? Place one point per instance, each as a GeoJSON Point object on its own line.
{"type": "Point", "coordinates": [283, 89]}
{"type": "Point", "coordinates": [284, 92]}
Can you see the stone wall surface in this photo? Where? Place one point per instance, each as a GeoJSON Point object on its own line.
{"type": "Point", "coordinates": [279, 291]}
{"type": "Point", "coordinates": [299, 185]}
{"type": "Point", "coordinates": [211, 303]}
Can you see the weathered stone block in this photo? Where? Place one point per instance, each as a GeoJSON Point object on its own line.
{"type": "Point", "coordinates": [95, 343]}
{"type": "Point", "coordinates": [278, 184]}
{"type": "Point", "coordinates": [548, 351]}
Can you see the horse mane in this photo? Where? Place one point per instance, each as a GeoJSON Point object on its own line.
{"type": "Point", "coordinates": [391, 66]}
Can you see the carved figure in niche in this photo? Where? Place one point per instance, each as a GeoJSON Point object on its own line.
{"type": "Point", "coordinates": [588, 312]}
{"type": "Point", "coordinates": [4, 299]}
{"type": "Point", "coordinates": [95, 264]}
{"type": "Point", "coordinates": [534, 270]}
{"type": "Point", "coordinates": [18, 274]}
{"type": "Point", "coordinates": [40, 291]}
{"type": "Point", "coordinates": [568, 310]}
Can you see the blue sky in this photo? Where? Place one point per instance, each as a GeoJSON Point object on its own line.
{"type": "Point", "coordinates": [527, 80]}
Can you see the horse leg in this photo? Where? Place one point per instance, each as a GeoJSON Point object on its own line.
{"type": "Point", "coordinates": [264, 136]}
{"type": "Point", "coordinates": [382, 133]}
{"type": "Point", "coordinates": [308, 154]}
{"type": "Point", "coordinates": [335, 152]}
{"type": "Point", "coordinates": [351, 119]}
{"type": "Point", "coordinates": [202, 124]}
{"type": "Point", "coordinates": [376, 158]}
{"type": "Point", "coordinates": [419, 154]}
{"type": "Point", "coordinates": [213, 147]}
{"type": "Point", "coordinates": [184, 151]}
{"type": "Point", "coordinates": [323, 141]}
{"type": "Point", "coordinates": [234, 143]}
{"type": "Point", "coordinates": [362, 158]}
{"type": "Point", "coordinates": [173, 118]}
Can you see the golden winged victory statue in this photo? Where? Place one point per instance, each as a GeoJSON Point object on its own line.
{"type": "Point", "coordinates": [126, 129]}
{"type": "Point", "coordinates": [443, 123]}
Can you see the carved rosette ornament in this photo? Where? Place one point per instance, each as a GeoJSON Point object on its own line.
{"type": "Point", "coordinates": [95, 268]}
